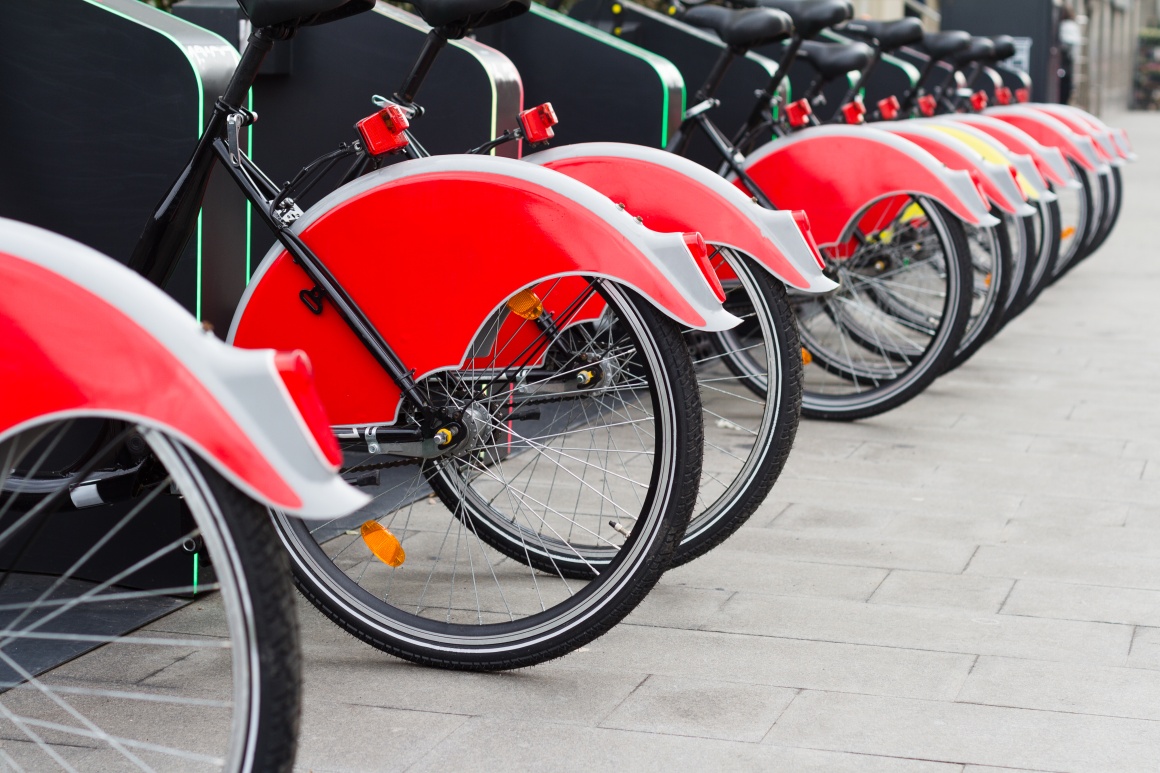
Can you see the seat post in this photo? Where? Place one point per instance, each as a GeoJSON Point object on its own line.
{"type": "Point", "coordinates": [717, 74]}
{"type": "Point", "coordinates": [434, 43]}
{"type": "Point", "coordinates": [856, 86]}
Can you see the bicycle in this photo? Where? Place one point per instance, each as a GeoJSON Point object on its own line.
{"type": "Point", "coordinates": [118, 408]}
{"type": "Point", "coordinates": [545, 398]}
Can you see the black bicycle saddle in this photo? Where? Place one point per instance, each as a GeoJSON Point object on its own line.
{"type": "Point", "coordinates": [812, 16]}
{"type": "Point", "coordinates": [1004, 47]}
{"type": "Point", "coordinates": [944, 45]}
{"type": "Point", "coordinates": [832, 60]}
{"type": "Point", "coordinates": [459, 16]}
{"type": "Point", "coordinates": [301, 13]}
{"type": "Point", "coordinates": [980, 50]}
{"type": "Point", "coordinates": [743, 28]}
{"type": "Point", "coordinates": [887, 35]}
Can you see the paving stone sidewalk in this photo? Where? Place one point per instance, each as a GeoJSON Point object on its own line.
{"type": "Point", "coordinates": [966, 584]}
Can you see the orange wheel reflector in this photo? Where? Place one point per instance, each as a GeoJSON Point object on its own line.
{"type": "Point", "coordinates": [383, 544]}
{"type": "Point", "coordinates": [807, 358]}
{"type": "Point", "coordinates": [987, 280]}
{"type": "Point", "coordinates": [526, 304]}
{"type": "Point", "coordinates": [1067, 232]}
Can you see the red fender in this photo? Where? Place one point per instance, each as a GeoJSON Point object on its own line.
{"type": "Point", "coordinates": [1082, 123]}
{"type": "Point", "coordinates": [1048, 160]}
{"type": "Point", "coordinates": [672, 193]}
{"type": "Point", "coordinates": [832, 172]}
{"type": "Point", "coordinates": [114, 345]}
{"type": "Point", "coordinates": [956, 155]}
{"type": "Point", "coordinates": [1047, 130]}
{"type": "Point", "coordinates": [94, 359]}
{"type": "Point", "coordinates": [431, 249]}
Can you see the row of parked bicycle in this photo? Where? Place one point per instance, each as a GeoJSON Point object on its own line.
{"type": "Point", "coordinates": [500, 424]}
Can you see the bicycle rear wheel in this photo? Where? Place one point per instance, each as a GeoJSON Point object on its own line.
{"type": "Point", "coordinates": [1048, 241]}
{"type": "Point", "coordinates": [895, 321]}
{"type": "Point", "coordinates": [98, 670]}
{"type": "Point", "coordinates": [750, 382]}
{"type": "Point", "coordinates": [994, 277]}
{"type": "Point", "coordinates": [552, 516]}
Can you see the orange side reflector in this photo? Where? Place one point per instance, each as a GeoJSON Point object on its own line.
{"type": "Point", "coordinates": [807, 358]}
{"type": "Point", "coordinates": [1067, 232]}
{"type": "Point", "coordinates": [526, 304]}
{"type": "Point", "coordinates": [383, 544]}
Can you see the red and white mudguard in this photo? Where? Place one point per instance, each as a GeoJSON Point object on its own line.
{"type": "Point", "coordinates": [833, 172]}
{"type": "Point", "coordinates": [81, 335]}
{"type": "Point", "coordinates": [431, 248]}
{"type": "Point", "coordinates": [672, 193]}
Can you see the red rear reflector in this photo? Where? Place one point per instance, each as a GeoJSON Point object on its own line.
{"type": "Point", "coordinates": [977, 179]}
{"type": "Point", "coordinates": [799, 113]}
{"type": "Point", "coordinates": [888, 108]}
{"type": "Point", "coordinates": [979, 101]}
{"type": "Point", "coordinates": [803, 224]}
{"type": "Point", "coordinates": [927, 105]}
{"type": "Point", "coordinates": [1003, 95]}
{"type": "Point", "coordinates": [700, 252]}
{"type": "Point", "coordinates": [537, 123]}
{"type": "Point", "coordinates": [1023, 95]}
{"type": "Point", "coordinates": [854, 112]}
{"type": "Point", "coordinates": [385, 131]}
{"type": "Point", "coordinates": [298, 377]}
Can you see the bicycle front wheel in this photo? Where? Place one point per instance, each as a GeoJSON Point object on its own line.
{"type": "Point", "coordinates": [552, 515]}
{"type": "Point", "coordinates": [175, 648]}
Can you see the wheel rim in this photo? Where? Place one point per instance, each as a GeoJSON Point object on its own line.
{"type": "Point", "coordinates": [869, 339]}
{"type": "Point", "coordinates": [735, 371]}
{"type": "Point", "coordinates": [91, 711]}
{"type": "Point", "coordinates": [489, 564]}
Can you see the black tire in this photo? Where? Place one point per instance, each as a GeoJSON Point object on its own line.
{"type": "Point", "coordinates": [1047, 239]}
{"type": "Point", "coordinates": [1082, 224]}
{"type": "Point", "coordinates": [993, 264]}
{"type": "Point", "coordinates": [750, 382]}
{"type": "Point", "coordinates": [855, 335]}
{"type": "Point", "coordinates": [1112, 193]}
{"type": "Point", "coordinates": [253, 667]}
{"type": "Point", "coordinates": [512, 588]}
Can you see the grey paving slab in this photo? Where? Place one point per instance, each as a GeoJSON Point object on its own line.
{"type": "Point", "coordinates": [967, 584]}
{"type": "Point", "coordinates": [1072, 510]}
{"type": "Point", "coordinates": [1143, 516]}
{"type": "Point", "coordinates": [777, 662]}
{"type": "Point", "coordinates": [484, 745]}
{"type": "Point", "coordinates": [732, 567]}
{"type": "Point", "coordinates": [377, 738]}
{"type": "Point", "coordinates": [1120, 540]}
{"type": "Point", "coordinates": [1035, 598]}
{"type": "Point", "coordinates": [705, 708]}
{"type": "Point", "coordinates": [948, 591]}
{"type": "Point", "coordinates": [1034, 684]}
{"type": "Point", "coordinates": [1066, 565]}
{"type": "Point", "coordinates": [940, 630]}
{"type": "Point", "coordinates": [965, 733]}
{"type": "Point", "coordinates": [880, 553]}
{"type": "Point", "coordinates": [849, 522]}
{"type": "Point", "coordinates": [1145, 648]}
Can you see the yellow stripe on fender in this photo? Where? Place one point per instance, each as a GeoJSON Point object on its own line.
{"type": "Point", "coordinates": [992, 153]}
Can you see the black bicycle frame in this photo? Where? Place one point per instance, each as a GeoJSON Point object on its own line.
{"type": "Point", "coordinates": [697, 116]}
{"type": "Point", "coordinates": [174, 220]}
